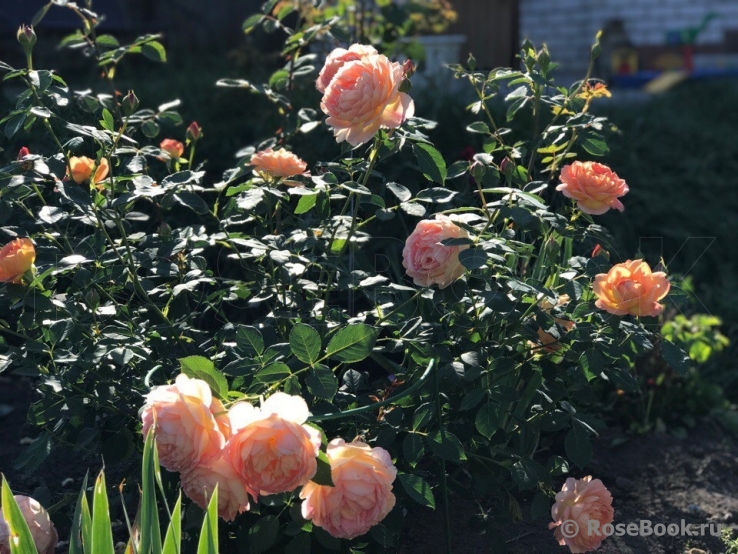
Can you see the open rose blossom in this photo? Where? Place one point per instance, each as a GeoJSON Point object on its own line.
{"type": "Point", "coordinates": [42, 530]}
{"type": "Point", "coordinates": [233, 496]}
{"type": "Point", "coordinates": [190, 426]}
{"type": "Point", "coordinates": [82, 168]}
{"type": "Point", "coordinates": [594, 186]}
{"type": "Point", "coordinates": [631, 288]}
{"type": "Point", "coordinates": [16, 258]}
{"type": "Point", "coordinates": [277, 163]}
{"type": "Point", "coordinates": [580, 501]}
{"type": "Point", "coordinates": [174, 148]}
{"type": "Point", "coordinates": [364, 96]}
{"type": "Point", "coordinates": [362, 495]}
{"type": "Point", "coordinates": [270, 448]}
{"type": "Point", "coordinates": [428, 261]}
{"type": "Point", "coordinates": [336, 61]}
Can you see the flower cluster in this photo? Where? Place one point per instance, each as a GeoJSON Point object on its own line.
{"type": "Point", "coordinates": [248, 452]}
{"type": "Point", "coordinates": [42, 530]}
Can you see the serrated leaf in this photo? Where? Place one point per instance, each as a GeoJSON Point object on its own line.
{"type": "Point", "coordinates": [596, 147]}
{"type": "Point", "coordinates": [526, 474]}
{"type": "Point", "coordinates": [488, 419]}
{"type": "Point", "coordinates": [306, 203]}
{"type": "Point", "coordinates": [263, 534]}
{"type": "Point", "coordinates": [402, 193]}
{"type": "Point", "coordinates": [353, 343]}
{"type": "Point", "coordinates": [473, 258]}
{"type": "Point", "coordinates": [199, 367]}
{"type": "Point", "coordinates": [431, 162]}
{"type": "Point", "coordinates": [677, 359]}
{"type": "Point", "coordinates": [446, 445]}
{"type": "Point", "coordinates": [154, 50]}
{"type": "Point", "coordinates": [578, 446]}
{"type": "Point", "coordinates": [323, 474]}
{"type": "Point", "coordinates": [418, 489]}
{"type": "Point", "coordinates": [249, 340]}
{"type": "Point", "coordinates": [305, 343]}
{"type": "Point", "coordinates": [592, 363]}
{"type": "Point", "coordinates": [413, 448]}
{"type": "Point", "coordinates": [322, 382]}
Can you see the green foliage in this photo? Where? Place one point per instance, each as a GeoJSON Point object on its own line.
{"type": "Point", "coordinates": [255, 285]}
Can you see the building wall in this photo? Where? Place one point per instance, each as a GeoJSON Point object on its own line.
{"type": "Point", "coordinates": [568, 27]}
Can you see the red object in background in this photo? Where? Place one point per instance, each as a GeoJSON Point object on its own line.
{"type": "Point", "coordinates": [688, 55]}
{"type": "Point", "coordinates": [597, 250]}
{"type": "Point", "coordinates": [468, 154]}
{"type": "Point", "coordinates": [23, 152]}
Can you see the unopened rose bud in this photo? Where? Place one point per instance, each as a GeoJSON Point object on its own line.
{"type": "Point", "coordinates": [26, 37]}
{"type": "Point", "coordinates": [408, 68]}
{"type": "Point", "coordinates": [165, 231]}
{"type": "Point", "coordinates": [194, 132]}
{"type": "Point", "coordinates": [22, 153]}
{"type": "Point", "coordinates": [129, 103]}
{"type": "Point", "coordinates": [478, 170]}
{"type": "Point", "coordinates": [599, 251]}
{"type": "Point", "coordinates": [92, 297]}
{"type": "Point", "coordinates": [504, 165]}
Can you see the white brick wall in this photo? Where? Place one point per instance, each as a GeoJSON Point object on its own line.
{"type": "Point", "coordinates": [568, 27]}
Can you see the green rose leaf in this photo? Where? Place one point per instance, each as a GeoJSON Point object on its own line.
{"type": "Point", "coordinates": [352, 343]}
{"type": "Point", "coordinates": [418, 489]}
{"type": "Point", "coordinates": [199, 367]}
{"type": "Point", "coordinates": [305, 343]}
{"type": "Point", "coordinates": [431, 162]}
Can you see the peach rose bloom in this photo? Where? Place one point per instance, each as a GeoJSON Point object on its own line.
{"type": "Point", "coordinates": [631, 288]}
{"type": "Point", "coordinates": [580, 501]}
{"type": "Point", "coordinates": [336, 61]}
{"type": "Point", "coordinates": [428, 261]}
{"type": "Point", "coordinates": [277, 163]}
{"type": "Point", "coordinates": [270, 448]}
{"type": "Point", "coordinates": [82, 169]}
{"type": "Point", "coordinates": [363, 97]}
{"type": "Point", "coordinates": [362, 495]}
{"type": "Point", "coordinates": [16, 258]}
{"type": "Point", "coordinates": [594, 186]}
{"type": "Point", "coordinates": [174, 148]}
{"type": "Point", "coordinates": [233, 495]}
{"type": "Point", "coordinates": [190, 426]}
{"type": "Point", "coordinates": [42, 530]}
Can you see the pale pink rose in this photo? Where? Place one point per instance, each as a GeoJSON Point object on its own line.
{"type": "Point", "coordinates": [363, 97]}
{"type": "Point", "coordinates": [337, 59]}
{"type": "Point", "coordinates": [428, 261]}
{"type": "Point", "coordinates": [270, 448]}
{"type": "Point", "coordinates": [277, 163]}
{"type": "Point", "coordinates": [594, 186]}
{"type": "Point", "coordinates": [631, 288]}
{"type": "Point", "coordinates": [580, 501]}
{"type": "Point", "coordinates": [362, 495]}
{"type": "Point", "coordinates": [233, 494]}
{"type": "Point", "coordinates": [190, 426]}
{"type": "Point", "coordinates": [42, 530]}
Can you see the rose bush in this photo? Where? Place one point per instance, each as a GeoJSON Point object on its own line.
{"type": "Point", "coordinates": [462, 365]}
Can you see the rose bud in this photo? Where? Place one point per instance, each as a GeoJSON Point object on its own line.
{"type": "Point", "coordinates": [194, 132]}
{"type": "Point", "coordinates": [129, 103]}
{"type": "Point", "coordinates": [174, 148]}
{"type": "Point", "coordinates": [27, 37]}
